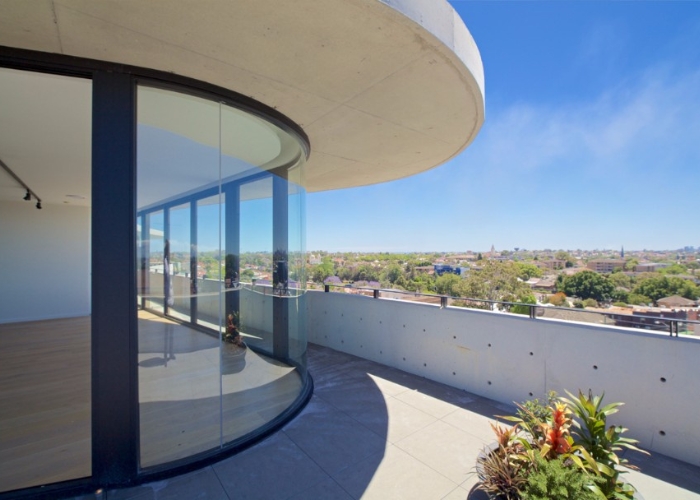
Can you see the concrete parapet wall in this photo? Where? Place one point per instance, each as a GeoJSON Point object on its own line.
{"type": "Point", "coordinates": [512, 358]}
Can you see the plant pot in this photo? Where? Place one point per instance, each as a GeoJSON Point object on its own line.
{"type": "Point", "coordinates": [232, 357]}
{"type": "Point", "coordinates": [476, 494]}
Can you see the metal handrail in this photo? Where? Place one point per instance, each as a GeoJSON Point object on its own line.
{"type": "Point", "coordinates": [672, 323]}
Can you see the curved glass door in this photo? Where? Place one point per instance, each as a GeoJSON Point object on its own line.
{"type": "Point", "coordinates": [221, 274]}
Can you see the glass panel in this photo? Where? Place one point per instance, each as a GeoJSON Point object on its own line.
{"type": "Point", "coordinates": [256, 263]}
{"type": "Point", "coordinates": [209, 276]}
{"type": "Point", "coordinates": [45, 311]}
{"type": "Point", "coordinates": [297, 268]}
{"type": "Point", "coordinates": [178, 167]}
{"type": "Point", "coordinates": [264, 272]}
{"type": "Point", "coordinates": [180, 246]}
{"type": "Point", "coordinates": [155, 245]}
{"type": "Point", "coordinates": [218, 190]}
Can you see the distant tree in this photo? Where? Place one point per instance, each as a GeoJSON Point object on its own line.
{"type": "Point", "coordinates": [558, 299]}
{"type": "Point", "coordinates": [674, 269]}
{"type": "Point", "coordinates": [323, 270]}
{"type": "Point", "coordinates": [590, 303]}
{"type": "Point", "coordinates": [447, 284]}
{"type": "Point", "coordinates": [630, 264]}
{"type": "Point", "coordinates": [565, 256]}
{"type": "Point", "coordinates": [392, 273]}
{"type": "Point", "coordinates": [638, 300]}
{"type": "Point", "coordinates": [528, 298]}
{"type": "Point", "coordinates": [658, 287]}
{"type": "Point", "coordinates": [527, 270]}
{"type": "Point", "coordinates": [479, 256]}
{"type": "Point", "coordinates": [588, 285]}
{"type": "Point", "coordinates": [620, 280]}
{"type": "Point", "coordinates": [495, 281]}
{"type": "Point", "coordinates": [619, 295]}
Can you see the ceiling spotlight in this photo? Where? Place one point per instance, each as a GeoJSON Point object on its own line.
{"type": "Point", "coordinates": [27, 196]}
{"type": "Point", "coordinates": [38, 205]}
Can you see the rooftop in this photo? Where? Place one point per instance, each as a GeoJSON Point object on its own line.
{"type": "Point", "coordinates": [371, 431]}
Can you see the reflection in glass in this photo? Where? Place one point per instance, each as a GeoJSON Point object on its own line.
{"type": "Point", "coordinates": [179, 389]}
{"type": "Point", "coordinates": [222, 338]}
{"type": "Point", "coordinates": [179, 257]}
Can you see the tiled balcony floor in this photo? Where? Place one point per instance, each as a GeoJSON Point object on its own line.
{"type": "Point", "coordinates": [371, 431]}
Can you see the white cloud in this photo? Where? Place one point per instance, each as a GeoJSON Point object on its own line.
{"type": "Point", "coordinates": [631, 128]}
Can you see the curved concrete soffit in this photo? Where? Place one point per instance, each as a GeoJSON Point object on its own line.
{"type": "Point", "coordinates": [384, 89]}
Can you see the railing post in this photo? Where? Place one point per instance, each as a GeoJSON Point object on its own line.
{"type": "Point", "coordinates": [375, 293]}
{"type": "Point", "coordinates": [326, 288]}
{"type": "Point", "coordinates": [443, 302]}
{"type": "Point", "coordinates": [670, 328]}
{"type": "Point", "coordinates": [533, 312]}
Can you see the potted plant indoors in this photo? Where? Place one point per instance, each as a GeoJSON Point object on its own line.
{"type": "Point", "coordinates": [562, 450]}
{"type": "Point", "coordinates": [233, 347]}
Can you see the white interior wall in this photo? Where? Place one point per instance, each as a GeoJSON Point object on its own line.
{"type": "Point", "coordinates": [44, 261]}
{"type": "Point", "coordinates": [511, 358]}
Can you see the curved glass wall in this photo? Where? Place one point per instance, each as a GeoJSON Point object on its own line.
{"type": "Point", "coordinates": [220, 273]}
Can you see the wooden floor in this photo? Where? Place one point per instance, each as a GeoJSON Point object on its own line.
{"type": "Point", "coordinates": [44, 402]}
{"type": "Point", "coordinates": [45, 433]}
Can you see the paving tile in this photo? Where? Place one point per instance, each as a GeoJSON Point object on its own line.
{"type": "Point", "coordinates": [331, 438]}
{"type": "Point", "coordinates": [428, 404]}
{"type": "Point", "coordinates": [275, 468]}
{"type": "Point", "coordinates": [459, 493]}
{"type": "Point", "coordinates": [393, 474]}
{"type": "Point", "coordinates": [394, 421]}
{"type": "Point", "coordinates": [352, 392]}
{"type": "Point", "coordinates": [327, 489]}
{"type": "Point", "coordinates": [652, 488]}
{"type": "Point", "coordinates": [201, 485]}
{"type": "Point", "coordinates": [445, 448]}
{"type": "Point", "coordinates": [473, 423]}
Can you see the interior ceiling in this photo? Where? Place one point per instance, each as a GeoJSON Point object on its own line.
{"type": "Point", "coordinates": [45, 136]}
{"type": "Point", "coordinates": [383, 88]}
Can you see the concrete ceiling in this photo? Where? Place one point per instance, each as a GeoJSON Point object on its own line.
{"type": "Point", "coordinates": [384, 89]}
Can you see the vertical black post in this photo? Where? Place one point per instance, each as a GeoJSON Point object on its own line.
{"type": "Point", "coordinates": [167, 278]}
{"type": "Point", "coordinates": [232, 248]}
{"type": "Point", "coordinates": [115, 417]}
{"type": "Point", "coordinates": [193, 262]}
{"type": "Point", "coordinates": [145, 258]}
{"type": "Point", "coordinates": [280, 242]}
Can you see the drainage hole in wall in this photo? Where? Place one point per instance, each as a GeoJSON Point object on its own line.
{"type": "Point", "coordinates": [454, 336]}
{"type": "Point", "coordinates": [361, 346]}
{"type": "Point", "coordinates": [530, 394]}
{"type": "Point", "coordinates": [342, 341]}
{"type": "Point", "coordinates": [595, 367]}
{"type": "Point", "coordinates": [489, 345]}
{"type": "Point", "coordinates": [424, 364]}
{"type": "Point", "coordinates": [453, 373]}
{"type": "Point", "coordinates": [404, 326]}
{"type": "Point", "coordinates": [663, 379]}
{"type": "Point", "coordinates": [489, 382]}
{"type": "Point", "coordinates": [531, 354]}
{"type": "Point", "coordinates": [423, 329]}
{"type": "Point", "coordinates": [380, 352]}
{"type": "Point", "coordinates": [404, 359]}
{"type": "Point", "coordinates": [663, 433]}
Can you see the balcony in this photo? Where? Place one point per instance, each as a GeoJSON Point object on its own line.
{"type": "Point", "coordinates": [404, 394]}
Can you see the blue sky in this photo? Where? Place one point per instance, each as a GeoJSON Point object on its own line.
{"type": "Point", "coordinates": [591, 140]}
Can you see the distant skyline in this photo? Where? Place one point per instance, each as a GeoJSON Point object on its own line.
{"type": "Point", "coordinates": [591, 140]}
